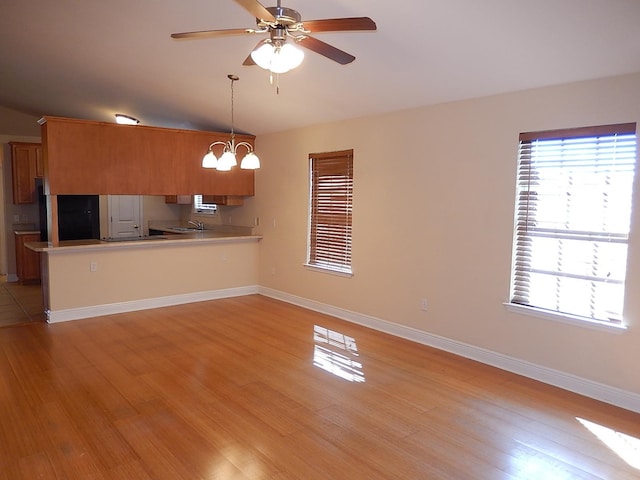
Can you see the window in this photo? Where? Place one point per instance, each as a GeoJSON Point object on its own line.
{"type": "Point", "coordinates": [331, 189]}
{"type": "Point", "coordinates": [203, 208]}
{"type": "Point", "coordinates": [573, 208]}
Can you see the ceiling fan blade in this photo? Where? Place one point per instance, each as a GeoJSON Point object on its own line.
{"type": "Point", "coordinates": [256, 9]}
{"type": "Point", "coordinates": [326, 50]}
{"type": "Point", "coordinates": [339, 24]}
{"type": "Point", "coordinates": [212, 33]}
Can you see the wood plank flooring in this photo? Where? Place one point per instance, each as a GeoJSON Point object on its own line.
{"type": "Point", "coordinates": [253, 388]}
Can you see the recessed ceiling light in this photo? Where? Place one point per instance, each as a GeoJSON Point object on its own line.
{"type": "Point", "coordinates": [123, 119]}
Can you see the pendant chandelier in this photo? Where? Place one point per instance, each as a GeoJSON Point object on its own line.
{"type": "Point", "coordinates": [228, 158]}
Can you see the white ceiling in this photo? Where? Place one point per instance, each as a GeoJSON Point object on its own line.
{"type": "Point", "coordinates": [90, 59]}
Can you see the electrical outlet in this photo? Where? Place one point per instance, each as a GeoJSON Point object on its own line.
{"type": "Point", "coordinates": [256, 222]}
{"type": "Point", "coordinates": [16, 218]}
{"type": "Point", "coordinates": [424, 305]}
{"type": "Point", "coordinates": [93, 267]}
{"type": "Point", "coordinates": [273, 270]}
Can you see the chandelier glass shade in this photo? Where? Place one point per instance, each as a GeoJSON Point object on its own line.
{"type": "Point", "coordinates": [228, 158]}
{"type": "Point", "coordinates": [277, 56]}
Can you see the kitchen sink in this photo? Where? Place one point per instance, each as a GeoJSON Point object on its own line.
{"type": "Point", "coordinates": [183, 229]}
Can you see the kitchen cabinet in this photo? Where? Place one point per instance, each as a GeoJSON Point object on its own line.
{"type": "Point", "coordinates": [27, 261]}
{"type": "Point", "coordinates": [179, 199]}
{"type": "Point", "coordinates": [26, 165]}
{"type": "Point", "coordinates": [85, 157]}
{"type": "Point", "coordinates": [230, 200]}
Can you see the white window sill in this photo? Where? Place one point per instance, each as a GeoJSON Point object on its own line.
{"type": "Point", "coordinates": [330, 271]}
{"type": "Point", "coordinates": [565, 318]}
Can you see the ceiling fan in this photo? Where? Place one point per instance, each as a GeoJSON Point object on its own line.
{"type": "Point", "coordinates": [282, 23]}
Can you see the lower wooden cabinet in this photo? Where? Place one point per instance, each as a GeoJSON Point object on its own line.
{"type": "Point", "coordinates": [27, 261]}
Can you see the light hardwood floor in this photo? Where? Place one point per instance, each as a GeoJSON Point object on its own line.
{"type": "Point", "coordinates": [253, 388]}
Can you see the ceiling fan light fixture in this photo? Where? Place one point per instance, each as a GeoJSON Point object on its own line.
{"type": "Point", "coordinates": [277, 57]}
{"type": "Point", "coordinates": [263, 54]}
{"type": "Point", "coordinates": [285, 58]}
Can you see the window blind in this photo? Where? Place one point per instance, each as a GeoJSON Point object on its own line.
{"type": "Point", "coordinates": [199, 207]}
{"type": "Point", "coordinates": [331, 176]}
{"type": "Point", "coordinates": [574, 199]}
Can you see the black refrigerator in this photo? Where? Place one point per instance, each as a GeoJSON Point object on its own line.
{"type": "Point", "coordinates": [78, 216]}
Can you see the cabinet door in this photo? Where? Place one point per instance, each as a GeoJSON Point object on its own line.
{"type": "Point", "coordinates": [110, 159]}
{"type": "Point", "coordinates": [39, 161]}
{"type": "Point", "coordinates": [222, 199]}
{"type": "Point", "coordinates": [27, 261]}
{"type": "Point", "coordinates": [23, 165]}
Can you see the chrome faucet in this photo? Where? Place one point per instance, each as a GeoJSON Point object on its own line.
{"type": "Point", "coordinates": [198, 225]}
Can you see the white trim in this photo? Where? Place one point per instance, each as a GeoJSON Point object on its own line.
{"type": "Point", "coordinates": [12, 277]}
{"type": "Point", "coordinates": [55, 316]}
{"type": "Point", "coordinates": [573, 383]}
{"type": "Point", "coordinates": [329, 270]}
{"type": "Point", "coordinates": [565, 318]}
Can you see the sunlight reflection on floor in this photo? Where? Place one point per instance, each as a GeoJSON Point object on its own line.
{"type": "Point", "coordinates": [625, 446]}
{"type": "Point", "coordinates": [327, 358]}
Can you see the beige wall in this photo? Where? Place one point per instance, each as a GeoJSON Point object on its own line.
{"type": "Point", "coordinates": [433, 218]}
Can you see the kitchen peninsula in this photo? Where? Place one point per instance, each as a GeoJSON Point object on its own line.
{"type": "Point", "coordinates": [90, 278]}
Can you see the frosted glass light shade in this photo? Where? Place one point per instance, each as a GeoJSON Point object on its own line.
{"type": "Point", "coordinates": [227, 160]}
{"type": "Point", "coordinates": [209, 160]}
{"type": "Point", "coordinates": [250, 161]}
{"type": "Point", "coordinates": [263, 55]}
{"type": "Point", "coordinates": [286, 58]}
{"type": "Point", "coordinates": [277, 59]}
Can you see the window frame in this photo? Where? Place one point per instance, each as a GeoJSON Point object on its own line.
{"type": "Point", "coordinates": [518, 235]}
{"type": "Point", "coordinates": [336, 238]}
{"type": "Point", "coordinates": [200, 208]}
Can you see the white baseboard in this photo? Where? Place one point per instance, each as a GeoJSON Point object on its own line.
{"type": "Point", "coordinates": [573, 383]}
{"type": "Point", "coordinates": [54, 316]}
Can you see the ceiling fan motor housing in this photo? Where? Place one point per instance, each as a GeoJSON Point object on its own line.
{"type": "Point", "coordinates": [283, 15]}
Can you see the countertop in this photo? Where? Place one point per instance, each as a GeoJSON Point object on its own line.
{"type": "Point", "coordinates": [182, 239]}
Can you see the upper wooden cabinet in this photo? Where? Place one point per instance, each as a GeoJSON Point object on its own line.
{"type": "Point", "coordinates": [26, 165]}
{"type": "Point", "coordinates": [222, 200]}
{"type": "Point", "coordinates": [180, 199]}
{"type": "Point", "coordinates": [85, 157]}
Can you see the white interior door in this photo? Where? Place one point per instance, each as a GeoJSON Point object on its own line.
{"type": "Point", "coordinates": [125, 216]}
